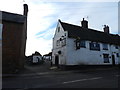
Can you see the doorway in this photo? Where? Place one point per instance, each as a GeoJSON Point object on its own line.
{"type": "Point", "coordinates": [57, 60]}
{"type": "Point", "coordinates": [113, 60]}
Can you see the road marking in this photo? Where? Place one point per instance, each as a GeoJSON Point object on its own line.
{"type": "Point", "coordinates": [117, 75]}
{"type": "Point", "coordinates": [82, 80]}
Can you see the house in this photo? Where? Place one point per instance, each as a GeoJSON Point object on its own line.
{"type": "Point", "coordinates": [80, 45]}
{"type": "Point", "coordinates": [14, 35]}
{"type": "Point", "coordinates": [36, 57]}
{"type": "Point", "coordinates": [48, 56]}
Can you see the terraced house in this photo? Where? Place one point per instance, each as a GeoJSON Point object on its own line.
{"type": "Point", "coordinates": [80, 45]}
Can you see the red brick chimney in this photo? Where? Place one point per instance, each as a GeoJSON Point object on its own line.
{"type": "Point", "coordinates": [106, 29]}
{"type": "Point", "coordinates": [84, 23]}
{"type": "Point", "coordinates": [25, 12]}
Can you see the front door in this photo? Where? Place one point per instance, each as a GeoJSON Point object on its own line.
{"type": "Point", "coordinates": [57, 60]}
{"type": "Point", "coordinates": [113, 60]}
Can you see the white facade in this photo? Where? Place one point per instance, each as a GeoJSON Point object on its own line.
{"type": "Point", "coordinates": [64, 51]}
{"type": "Point", "coordinates": [58, 34]}
{"type": "Point", "coordinates": [85, 56]}
{"type": "Point", "coordinates": [37, 58]}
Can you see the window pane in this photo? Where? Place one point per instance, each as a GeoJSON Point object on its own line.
{"type": "Point", "coordinates": [117, 54]}
{"type": "Point", "coordinates": [63, 41]}
{"type": "Point", "coordinates": [58, 29]}
{"type": "Point", "coordinates": [116, 47]}
{"type": "Point", "coordinates": [77, 42]}
{"type": "Point", "coordinates": [94, 46]}
{"type": "Point", "coordinates": [82, 44]}
{"type": "Point", "coordinates": [105, 46]}
{"type": "Point", "coordinates": [106, 58]}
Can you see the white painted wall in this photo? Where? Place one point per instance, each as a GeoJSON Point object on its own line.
{"type": "Point", "coordinates": [87, 56]}
{"type": "Point", "coordinates": [36, 57]}
{"type": "Point", "coordinates": [82, 56]}
{"type": "Point", "coordinates": [57, 36]}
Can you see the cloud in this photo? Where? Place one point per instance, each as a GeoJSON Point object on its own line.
{"type": "Point", "coordinates": [45, 20]}
{"type": "Point", "coordinates": [43, 16]}
{"type": "Point", "coordinates": [78, 0]}
{"type": "Point", "coordinates": [41, 45]}
{"type": "Point", "coordinates": [14, 6]}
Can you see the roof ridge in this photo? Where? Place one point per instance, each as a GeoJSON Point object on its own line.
{"type": "Point", "coordinates": [94, 30]}
{"type": "Point", "coordinates": [69, 23]}
{"type": "Point", "coordinates": [90, 34]}
{"type": "Point", "coordinates": [12, 13]}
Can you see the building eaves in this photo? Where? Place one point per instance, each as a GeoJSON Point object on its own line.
{"type": "Point", "coordinates": [12, 17]}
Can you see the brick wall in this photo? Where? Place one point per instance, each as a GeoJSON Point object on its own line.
{"type": "Point", "coordinates": [12, 46]}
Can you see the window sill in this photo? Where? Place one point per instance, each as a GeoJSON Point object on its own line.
{"type": "Point", "coordinates": [105, 49]}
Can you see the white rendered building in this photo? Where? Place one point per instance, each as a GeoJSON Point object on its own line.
{"type": "Point", "coordinates": [80, 45]}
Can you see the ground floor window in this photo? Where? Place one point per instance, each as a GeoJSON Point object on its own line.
{"type": "Point", "coordinates": [106, 58]}
{"type": "Point", "coordinates": [117, 54]}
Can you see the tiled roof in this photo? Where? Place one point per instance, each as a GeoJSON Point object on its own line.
{"type": "Point", "coordinates": [6, 16]}
{"type": "Point", "coordinates": [75, 31]}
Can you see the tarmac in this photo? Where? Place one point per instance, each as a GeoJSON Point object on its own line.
{"type": "Point", "coordinates": [46, 68]}
{"type": "Point", "coordinates": [33, 69]}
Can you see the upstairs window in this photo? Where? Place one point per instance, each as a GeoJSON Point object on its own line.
{"type": "Point", "coordinates": [63, 41]}
{"type": "Point", "coordinates": [94, 46]}
{"type": "Point", "coordinates": [58, 43]}
{"type": "Point", "coordinates": [58, 29]}
{"type": "Point", "coordinates": [82, 44]}
{"type": "Point", "coordinates": [105, 46]}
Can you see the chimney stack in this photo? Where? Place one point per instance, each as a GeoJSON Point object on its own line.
{"type": "Point", "coordinates": [106, 29]}
{"type": "Point", "coordinates": [84, 23]}
{"type": "Point", "coordinates": [25, 12]}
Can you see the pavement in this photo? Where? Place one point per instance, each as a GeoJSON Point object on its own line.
{"type": "Point", "coordinates": [46, 68]}
{"type": "Point", "coordinates": [34, 69]}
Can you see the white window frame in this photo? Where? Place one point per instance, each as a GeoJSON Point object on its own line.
{"type": "Point", "coordinates": [105, 46]}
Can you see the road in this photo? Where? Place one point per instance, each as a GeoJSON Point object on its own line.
{"type": "Point", "coordinates": [99, 78]}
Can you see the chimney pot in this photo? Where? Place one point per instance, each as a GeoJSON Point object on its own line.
{"type": "Point", "coordinates": [25, 12]}
{"type": "Point", "coordinates": [84, 23]}
{"type": "Point", "coordinates": [106, 29]}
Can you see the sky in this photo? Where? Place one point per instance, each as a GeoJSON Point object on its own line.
{"type": "Point", "coordinates": [43, 17]}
